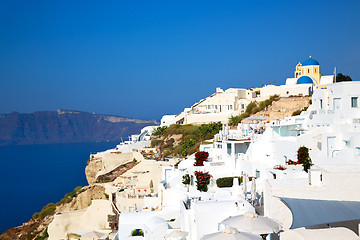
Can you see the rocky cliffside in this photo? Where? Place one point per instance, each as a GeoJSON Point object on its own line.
{"type": "Point", "coordinates": [36, 227]}
{"type": "Point", "coordinates": [285, 107]}
{"type": "Point", "coordinates": [66, 127]}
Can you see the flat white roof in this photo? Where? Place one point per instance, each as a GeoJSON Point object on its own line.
{"type": "Point", "coordinates": [340, 168]}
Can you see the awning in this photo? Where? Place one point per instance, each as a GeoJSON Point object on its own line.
{"type": "Point", "coordinates": [319, 234]}
{"type": "Point", "coordinates": [309, 212]}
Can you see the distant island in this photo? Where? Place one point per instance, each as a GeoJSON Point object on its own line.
{"type": "Point", "coordinates": [66, 126]}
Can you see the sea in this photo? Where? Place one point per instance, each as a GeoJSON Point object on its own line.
{"type": "Point", "coordinates": [35, 175]}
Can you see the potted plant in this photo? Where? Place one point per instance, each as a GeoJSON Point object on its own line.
{"type": "Point", "coordinates": [200, 157]}
{"type": "Point", "coordinates": [202, 180]}
{"type": "Point", "coordinates": [304, 158]}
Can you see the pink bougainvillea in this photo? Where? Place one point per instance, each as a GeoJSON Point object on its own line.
{"type": "Point", "coordinates": [200, 157]}
{"type": "Point", "coordinates": [202, 180]}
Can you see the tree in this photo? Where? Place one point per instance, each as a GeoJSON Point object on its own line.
{"type": "Point", "coordinates": [304, 158]}
{"type": "Point", "coordinates": [343, 78]}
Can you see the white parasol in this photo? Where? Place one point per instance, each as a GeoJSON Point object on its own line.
{"type": "Point", "coordinates": [231, 233]}
{"type": "Point", "coordinates": [251, 222]}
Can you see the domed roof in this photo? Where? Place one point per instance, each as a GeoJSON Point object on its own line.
{"type": "Point", "coordinates": [309, 62]}
{"type": "Point", "coordinates": [305, 80]}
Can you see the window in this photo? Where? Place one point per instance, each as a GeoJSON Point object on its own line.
{"type": "Point", "coordinates": [230, 107]}
{"type": "Point", "coordinates": [315, 70]}
{"type": "Point", "coordinates": [308, 70]}
{"type": "Point", "coordinates": [357, 150]}
{"type": "Point", "coordinates": [257, 173]}
{"type": "Point", "coordinates": [354, 102]}
{"type": "Point", "coordinates": [321, 104]}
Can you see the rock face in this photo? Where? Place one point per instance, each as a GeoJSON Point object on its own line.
{"type": "Point", "coordinates": [36, 226]}
{"type": "Point", "coordinates": [66, 127]}
{"type": "Point", "coordinates": [105, 162]}
{"type": "Point", "coordinates": [94, 166]}
{"type": "Point", "coordinates": [285, 107]}
{"type": "Point", "coordinates": [83, 200]}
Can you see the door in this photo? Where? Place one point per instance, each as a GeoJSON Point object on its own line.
{"type": "Point", "coordinates": [337, 103]}
{"type": "Point", "coordinates": [330, 146]}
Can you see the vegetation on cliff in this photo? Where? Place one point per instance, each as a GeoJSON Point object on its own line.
{"type": "Point", "coordinates": [252, 108]}
{"type": "Point", "coordinates": [183, 140]}
{"type": "Point", "coordinates": [36, 227]}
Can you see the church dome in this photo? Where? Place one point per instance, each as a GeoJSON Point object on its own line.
{"type": "Point", "coordinates": [310, 62]}
{"type": "Point", "coordinates": [305, 80]}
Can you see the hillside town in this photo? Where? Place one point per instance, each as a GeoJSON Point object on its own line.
{"type": "Point", "coordinates": [288, 168]}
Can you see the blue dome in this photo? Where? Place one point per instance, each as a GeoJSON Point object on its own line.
{"type": "Point", "coordinates": [309, 62]}
{"type": "Point", "coordinates": [304, 80]}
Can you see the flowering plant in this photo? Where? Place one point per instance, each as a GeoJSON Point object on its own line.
{"type": "Point", "coordinates": [304, 158]}
{"type": "Point", "coordinates": [202, 180]}
{"type": "Point", "coordinates": [279, 167]}
{"type": "Point", "coordinates": [291, 162]}
{"type": "Point", "coordinates": [200, 157]}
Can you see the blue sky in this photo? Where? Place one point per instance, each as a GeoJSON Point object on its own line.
{"type": "Point", "coordinates": [144, 59]}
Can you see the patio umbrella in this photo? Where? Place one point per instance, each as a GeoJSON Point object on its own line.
{"type": "Point", "coordinates": [93, 235]}
{"type": "Point", "coordinates": [231, 233]}
{"type": "Point", "coordinates": [251, 222]}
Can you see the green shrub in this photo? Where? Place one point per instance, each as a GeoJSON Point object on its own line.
{"type": "Point", "coordinates": [250, 107]}
{"type": "Point", "coordinates": [208, 130]}
{"type": "Point", "coordinates": [191, 137]}
{"type": "Point", "coordinates": [69, 196]}
{"type": "Point", "coordinates": [186, 179]}
{"type": "Point", "coordinates": [226, 181]}
{"type": "Point", "coordinates": [186, 145]}
{"type": "Point", "coordinates": [235, 120]}
{"type": "Point", "coordinates": [255, 110]}
{"type": "Point", "coordinates": [156, 142]}
{"type": "Point", "coordinates": [159, 131]}
{"type": "Point", "coordinates": [103, 179]}
{"type": "Point", "coordinates": [137, 232]}
{"type": "Point", "coordinates": [297, 112]}
{"type": "Point", "coordinates": [47, 210]}
{"type": "Point", "coordinates": [43, 236]}
{"type": "Point", "coordinates": [36, 215]}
